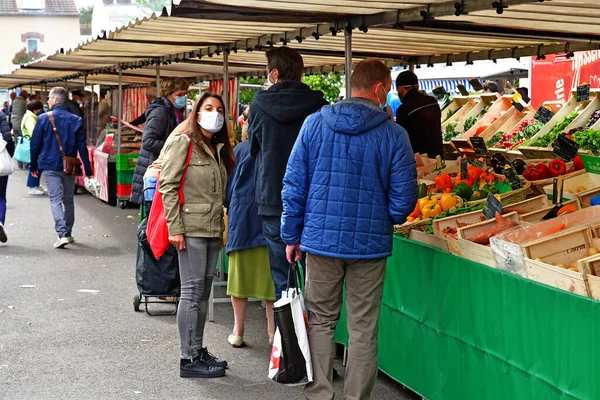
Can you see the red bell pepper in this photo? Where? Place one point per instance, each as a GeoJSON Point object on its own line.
{"type": "Point", "coordinates": [536, 172]}
{"type": "Point", "coordinates": [557, 168]}
{"type": "Point", "coordinates": [474, 173]}
{"type": "Point", "coordinates": [578, 163]}
{"type": "Point", "coordinates": [443, 182]}
{"type": "Point", "coordinates": [544, 170]}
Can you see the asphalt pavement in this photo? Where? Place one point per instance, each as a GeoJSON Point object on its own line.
{"type": "Point", "coordinates": [68, 329]}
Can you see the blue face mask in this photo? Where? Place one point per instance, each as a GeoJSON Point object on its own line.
{"type": "Point", "coordinates": [180, 102]}
{"type": "Point", "coordinates": [383, 107]}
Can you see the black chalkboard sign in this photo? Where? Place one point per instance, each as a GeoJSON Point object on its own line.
{"type": "Point", "coordinates": [464, 167]}
{"type": "Point", "coordinates": [565, 148]}
{"type": "Point", "coordinates": [512, 178]}
{"type": "Point", "coordinates": [462, 89]}
{"type": "Point", "coordinates": [583, 92]}
{"type": "Point", "coordinates": [439, 92]}
{"type": "Point", "coordinates": [517, 105]}
{"type": "Point", "coordinates": [544, 115]}
{"type": "Point", "coordinates": [478, 163]}
{"type": "Point", "coordinates": [492, 205]}
{"type": "Point", "coordinates": [478, 144]}
{"type": "Point", "coordinates": [476, 84]}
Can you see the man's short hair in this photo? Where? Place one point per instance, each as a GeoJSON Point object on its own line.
{"type": "Point", "coordinates": [60, 94]}
{"type": "Point", "coordinates": [35, 105]}
{"type": "Point", "coordinates": [78, 93]}
{"type": "Point", "coordinates": [407, 79]}
{"type": "Point", "coordinates": [491, 86]}
{"type": "Point", "coordinates": [369, 72]}
{"type": "Point", "coordinates": [288, 62]}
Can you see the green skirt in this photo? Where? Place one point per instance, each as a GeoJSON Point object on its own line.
{"type": "Point", "coordinates": [250, 274]}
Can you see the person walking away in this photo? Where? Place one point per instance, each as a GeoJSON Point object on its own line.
{"type": "Point", "coordinates": [196, 226]}
{"type": "Point", "coordinates": [35, 108]}
{"type": "Point", "coordinates": [162, 116]}
{"type": "Point", "coordinates": [275, 119]}
{"type": "Point", "coordinates": [420, 115]}
{"type": "Point", "coordinates": [10, 147]}
{"type": "Point", "coordinates": [74, 104]}
{"type": "Point", "coordinates": [249, 271]}
{"type": "Point", "coordinates": [46, 156]}
{"type": "Point", "coordinates": [351, 176]}
{"type": "Point", "coordinates": [19, 108]}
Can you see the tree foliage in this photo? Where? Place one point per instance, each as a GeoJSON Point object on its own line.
{"type": "Point", "coordinates": [328, 83]}
{"type": "Point", "coordinates": [247, 94]}
{"type": "Point", "coordinates": [23, 57]}
{"type": "Point", "coordinates": [85, 15]}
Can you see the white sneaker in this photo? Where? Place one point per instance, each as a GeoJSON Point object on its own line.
{"type": "Point", "coordinates": [70, 238]}
{"type": "Point", "coordinates": [236, 341]}
{"type": "Point", "coordinates": [3, 237]}
{"type": "Point", "coordinates": [36, 191]}
{"type": "Point", "coordinates": [61, 243]}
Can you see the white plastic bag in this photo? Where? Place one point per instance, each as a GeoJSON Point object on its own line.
{"type": "Point", "coordinates": [6, 163]}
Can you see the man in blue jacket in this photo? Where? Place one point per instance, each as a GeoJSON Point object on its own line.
{"type": "Point", "coordinates": [46, 156]}
{"type": "Point", "coordinates": [275, 119]}
{"type": "Point", "coordinates": [351, 176]}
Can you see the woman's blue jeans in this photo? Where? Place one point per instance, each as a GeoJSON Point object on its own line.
{"type": "Point", "coordinates": [3, 183]}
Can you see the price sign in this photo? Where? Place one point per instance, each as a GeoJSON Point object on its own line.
{"type": "Point", "coordinates": [462, 89]}
{"type": "Point", "coordinates": [583, 92]}
{"type": "Point", "coordinates": [565, 148]}
{"type": "Point", "coordinates": [544, 115]}
{"type": "Point", "coordinates": [464, 168]}
{"type": "Point", "coordinates": [520, 102]}
{"type": "Point", "coordinates": [478, 144]}
{"type": "Point", "coordinates": [512, 178]}
{"type": "Point", "coordinates": [591, 163]}
{"type": "Point", "coordinates": [491, 207]}
{"type": "Point", "coordinates": [478, 163]}
{"type": "Point", "coordinates": [476, 84]}
{"type": "Point", "coordinates": [439, 92]}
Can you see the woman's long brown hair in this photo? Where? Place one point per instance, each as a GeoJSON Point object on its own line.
{"type": "Point", "coordinates": [222, 136]}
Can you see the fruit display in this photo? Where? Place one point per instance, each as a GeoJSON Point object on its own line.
{"type": "Point", "coordinates": [546, 140]}
{"type": "Point", "coordinates": [518, 136]}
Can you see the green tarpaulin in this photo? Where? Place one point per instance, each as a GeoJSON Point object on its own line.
{"type": "Point", "coordinates": [455, 329]}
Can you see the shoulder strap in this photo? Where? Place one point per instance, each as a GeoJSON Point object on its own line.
{"type": "Point", "coordinates": [187, 164]}
{"type": "Point", "coordinates": [51, 118]}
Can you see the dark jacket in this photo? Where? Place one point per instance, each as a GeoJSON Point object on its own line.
{"type": "Point", "coordinates": [139, 120]}
{"type": "Point", "coordinates": [160, 122]}
{"type": "Point", "coordinates": [350, 177]}
{"type": "Point", "coordinates": [275, 119]}
{"type": "Point", "coordinates": [421, 116]}
{"type": "Point", "coordinates": [244, 226]}
{"type": "Point", "coordinates": [6, 134]}
{"type": "Point", "coordinates": [45, 153]}
{"type": "Point", "coordinates": [74, 108]}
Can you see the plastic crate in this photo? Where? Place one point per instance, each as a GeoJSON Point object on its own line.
{"type": "Point", "coordinates": [123, 190]}
{"type": "Point", "coordinates": [126, 162]}
{"type": "Point", "coordinates": [125, 177]}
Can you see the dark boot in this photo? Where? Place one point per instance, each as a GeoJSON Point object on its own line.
{"type": "Point", "coordinates": [197, 368]}
{"type": "Point", "coordinates": [210, 359]}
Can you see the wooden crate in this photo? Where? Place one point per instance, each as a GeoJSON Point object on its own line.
{"type": "Point", "coordinates": [590, 268]}
{"type": "Point", "coordinates": [499, 105]}
{"type": "Point", "coordinates": [429, 239]}
{"type": "Point", "coordinates": [529, 205]}
{"type": "Point", "coordinates": [591, 183]}
{"type": "Point", "coordinates": [454, 222]}
{"type": "Point", "coordinates": [462, 106]}
{"type": "Point", "coordinates": [476, 252]}
{"type": "Point", "coordinates": [536, 216]}
{"type": "Point", "coordinates": [563, 248]}
{"type": "Point", "coordinates": [586, 197]}
{"type": "Point", "coordinates": [429, 167]}
{"type": "Point", "coordinates": [508, 126]}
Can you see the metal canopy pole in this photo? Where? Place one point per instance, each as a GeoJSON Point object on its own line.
{"type": "Point", "coordinates": [158, 94]}
{"type": "Point", "coordinates": [226, 81]}
{"type": "Point", "coordinates": [120, 111]}
{"type": "Point", "coordinates": [348, 60]}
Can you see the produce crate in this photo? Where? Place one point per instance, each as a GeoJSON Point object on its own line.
{"type": "Point", "coordinates": [457, 105]}
{"type": "Point", "coordinates": [431, 240]}
{"type": "Point", "coordinates": [477, 252]}
{"type": "Point", "coordinates": [126, 162]}
{"type": "Point", "coordinates": [589, 182]}
{"type": "Point", "coordinates": [125, 177]}
{"type": "Point", "coordinates": [497, 106]}
{"type": "Point", "coordinates": [586, 197]}
{"type": "Point", "coordinates": [123, 190]}
{"type": "Point", "coordinates": [536, 216]}
{"type": "Point", "coordinates": [429, 168]}
{"type": "Point", "coordinates": [455, 222]}
{"type": "Point", "coordinates": [590, 268]}
{"type": "Point", "coordinates": [566, 249]}
{"type": "Point", "coordinates": [480, 102]}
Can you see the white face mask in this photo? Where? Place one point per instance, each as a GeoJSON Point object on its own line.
{"type": "Point", "coordinates": [211, 121]}
{"type": "Point", "coordinates": [269, 83]}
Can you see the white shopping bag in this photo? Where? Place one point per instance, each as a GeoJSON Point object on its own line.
{"type": "Point", "coordinates": [290, 357]}
{"type": "Point", "coordinates": [6, 163]}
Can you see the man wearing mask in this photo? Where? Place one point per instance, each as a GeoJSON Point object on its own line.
{"type": "Point", "coordinates": [275, 119]}
{"type": "Point", "coordinates": [46, 156]}
{"type": "Point", "coordinates": [420, 115]}
{"type": "Point", "coordinates": [351, 176]}
{"type": "Point", "coordinates": [74, 104]}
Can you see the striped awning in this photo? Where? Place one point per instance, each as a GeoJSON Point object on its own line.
{"type": "Point", "coordinates": [448, 84]}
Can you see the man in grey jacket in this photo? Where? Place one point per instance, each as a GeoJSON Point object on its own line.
{"type": "Point", "coordinates": [19, 108]}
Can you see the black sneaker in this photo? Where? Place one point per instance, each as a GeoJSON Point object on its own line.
{"type": "Point", "coordinates": [210, 359]}
{"type": "Point", "coordinates": [197, 368]}
{"type": "Point", "coordinates": [3, 238]}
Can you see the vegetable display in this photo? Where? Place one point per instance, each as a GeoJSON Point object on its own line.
{"type": "Point", "coordinates": [557, 168]}
{"type": "Point", "coordinates": [500, 226]}
{"type": "Point", "coordinates": [473, 120]}
{"type": "Point", "coordinates": [449, 114]}
{"type": "Point", "coordinates": [429, 206]}
{"type": "Point", "coordinates": [547, 139]}
{"type": "Point", "coordinates": [450, 131]}
{"type": "Point", "coordinates": [525, 131]}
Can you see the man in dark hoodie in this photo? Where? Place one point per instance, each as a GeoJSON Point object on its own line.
{"type": "Point", "coordinates": [275, 119]}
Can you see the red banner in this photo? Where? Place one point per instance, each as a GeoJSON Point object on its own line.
{"type": "Point", "coordinates": [553, 78]}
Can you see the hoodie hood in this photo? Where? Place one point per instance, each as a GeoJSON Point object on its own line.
{"type": "Point", "coordinates": [163, 102]}
{"type": "Point", "coordinates": [353, 116]}
{"type": "Point", "coordinates": [288, 101]}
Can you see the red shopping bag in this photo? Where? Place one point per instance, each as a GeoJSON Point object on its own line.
{"type": "Point", "coordinates": [157, 231]}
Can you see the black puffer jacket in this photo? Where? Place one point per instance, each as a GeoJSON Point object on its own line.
{"type": "Point", "coordinates": [160, 122]}
{"type": "Point", "coordinates": [421, 116]}
{"type": "Point", "coordinates": [6, 135]}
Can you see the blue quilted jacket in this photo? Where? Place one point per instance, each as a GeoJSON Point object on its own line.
{"type": "Point", "coordinates": [350, 177]}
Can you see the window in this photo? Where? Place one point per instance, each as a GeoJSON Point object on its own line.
{"type": "Point", "coordinates": [32, 45]}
